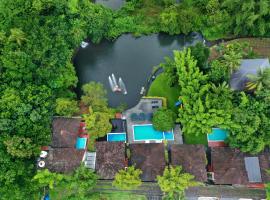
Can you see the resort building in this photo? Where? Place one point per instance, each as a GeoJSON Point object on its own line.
{"type": "Point", "coordinates": [248, 66]}
{"type": "Point", "coordinates": [68, 146]}
{"type": "Point", "coordinates": [110, 158]}
{"type": "Point", "coordinates": [150, 158]}
{"type": "Point", "coordinates": [192, 158]}
{"type": "Point", "coordinates": [230, 166]}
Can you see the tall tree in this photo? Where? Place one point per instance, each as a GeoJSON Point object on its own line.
{"type": "Point", "coordinates": [128, 179]}
{"type": "Point", "coordinates": [174, 182]}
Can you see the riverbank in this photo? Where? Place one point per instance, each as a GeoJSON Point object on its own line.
{"type": "Point", "coordinates": [260, 46]}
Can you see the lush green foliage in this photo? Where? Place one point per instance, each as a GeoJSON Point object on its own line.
{"type": "Point", "coordinates": [46, 178]}
{"type": "Point", "coordinates": [128, 179]}
{"type": "Point", "coordinates": [201, 53]}
{"type": "Point", "coordinates": [99, 115]}
{"type": "Point", "coordinates": [250, 129]}
{"type": "Point", "coordinates": [78, 185]}
{"type": "Point", "coordinates": [37, 41]}
{"type": "Point", "coordinates": [98, 123]}
{"type": "Point", "coordinates": [94, 94]}
{"type": "Point", "coordinates": [164, 119]}
{"type": "Point", "coordinates": [66, 107]}
{"type": "Point", "coordinates": [173, 182]}
{"type": "Point", "coordinates": [200, 110]}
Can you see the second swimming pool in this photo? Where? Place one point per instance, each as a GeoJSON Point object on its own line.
{"type": "Point", "coordinates": [147, 132]}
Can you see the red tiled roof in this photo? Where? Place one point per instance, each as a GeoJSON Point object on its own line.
{"type": "Point", "coordinates": [150, 158]}
{"type": "Point", "coordinates": [110, 158]}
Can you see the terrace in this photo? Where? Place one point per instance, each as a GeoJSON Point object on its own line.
{"type": "Point", "coordinates": [141, 115]}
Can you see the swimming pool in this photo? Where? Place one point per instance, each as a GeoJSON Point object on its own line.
{"type": "Point", "coordinates": [116, 137]}
{"type": "Point", "coordinates": [147, 132]}
{"type": "Point", "coordinates": [81, 143]}
{"type": "Point", "coordinates": [217, 134]}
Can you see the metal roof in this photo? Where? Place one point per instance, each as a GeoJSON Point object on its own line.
{"type": "Point", "coordinates": [253, 169]}
{"type": "Point", "coordinates": [248, 66]}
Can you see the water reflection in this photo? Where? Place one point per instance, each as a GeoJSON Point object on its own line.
{"type": "Point", "coordinates": [130, 58]}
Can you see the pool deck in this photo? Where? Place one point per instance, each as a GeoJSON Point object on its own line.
{"type": "Point", "coordinates": [147, 106]}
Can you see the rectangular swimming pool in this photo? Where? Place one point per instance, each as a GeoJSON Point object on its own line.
{"type": "Point", "coordinates": [217, 134]}
{"type": "Point", "coordinates": [147, 132]}
{"type": "Point", "coordinates": [81, 143]}
{"type": "Point", "coordinates": [116, 137]}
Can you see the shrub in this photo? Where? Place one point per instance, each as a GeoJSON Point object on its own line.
{"type": "Point", "coordinates": [164, 119]}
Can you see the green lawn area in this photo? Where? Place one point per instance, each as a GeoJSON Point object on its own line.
{"type": "Point", "coordinates": [160, 88]}
{"type": "Point", "coordinates": [116, 196]}
{"type": "Point", "coordinates": [192, 139]}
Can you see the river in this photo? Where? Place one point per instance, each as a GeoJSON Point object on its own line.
{"type": "Point", "coordinates": [128, 57]}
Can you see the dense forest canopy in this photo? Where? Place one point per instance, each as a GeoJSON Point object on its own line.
{"type": "Point", "coordinates": [37, 43]}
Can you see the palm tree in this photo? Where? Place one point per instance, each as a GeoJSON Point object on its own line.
{"type": "Point", "coordinates": [232, 60]}
{"type": "Point", "coordinates": [17, 35]}
{"type": "Point", "coordinates": [259, 81]}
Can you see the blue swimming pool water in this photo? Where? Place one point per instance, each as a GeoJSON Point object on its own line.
{"type": "Point", "coordinates": [147, 132]}
{"type": "Point", "coordinates": [217, 134]}
{"type": "Point", "coordinates": [81, 143]}
{"type": "Point", "coordinates": [116, 137]}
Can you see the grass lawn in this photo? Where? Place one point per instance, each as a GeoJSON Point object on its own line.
{"type": "Point", "coordinates": [116, 196]}
{"type": "Point", "coordinates": [192, 139]}
{"type": "Point", "coordinates": [160, 88]}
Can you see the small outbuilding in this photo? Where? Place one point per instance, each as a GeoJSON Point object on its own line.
{"type": "Point", "coordinates": [150, 158]}
{"type": "Point", "coordinates": [248, 66]}
{"type": "Point", "coordinates": [192, 158]}
{"type": "Point", "coordinates": [110, 158]}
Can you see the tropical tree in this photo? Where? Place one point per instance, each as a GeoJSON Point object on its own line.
{"type": "Point", "coordinates": [200, 52]}
{"type": "Point", "coordinates": [66, 107]}
{"type": "Point", "coordinates": [21, 147]}
{"type": "Point", "coordinates": [174, 182]}
{"type": "Point", "coordinates": [17, 35]}
{"type": "Point", "coordinates": [250, 130]}
{"type": "Point", "coordinates": [164, 119]}
{"type": "Point", "coordinates": [46, 178]}
{"type": "Point", "coordinates": [93, 93]}
{"type": "Point", "coordinates": [98, 123]}
{"type": "Point", "coordinates": [232, 60]}
{"type": "Point", "coordinates": [128, 179]}
{"type": "Point", "coordinates": [259, 81]}
{"type": "Point", "coordinates": [80, 182]}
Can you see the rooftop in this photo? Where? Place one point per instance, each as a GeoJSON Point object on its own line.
{"type": "Point", "coordinates": [63, 157]}
{"type": "Point", "coordinates": [110, 158]}
{"type": "Point", "coordinates": [150, 158]}
{"type": "Point", "coordinates": [231, 166]}
{"type": "Point", "coordinates": [192, 158]}
{"type": "Point", "coordinates": [64, 160]}
{"type": "Point", "coordinates": [65, 132]}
